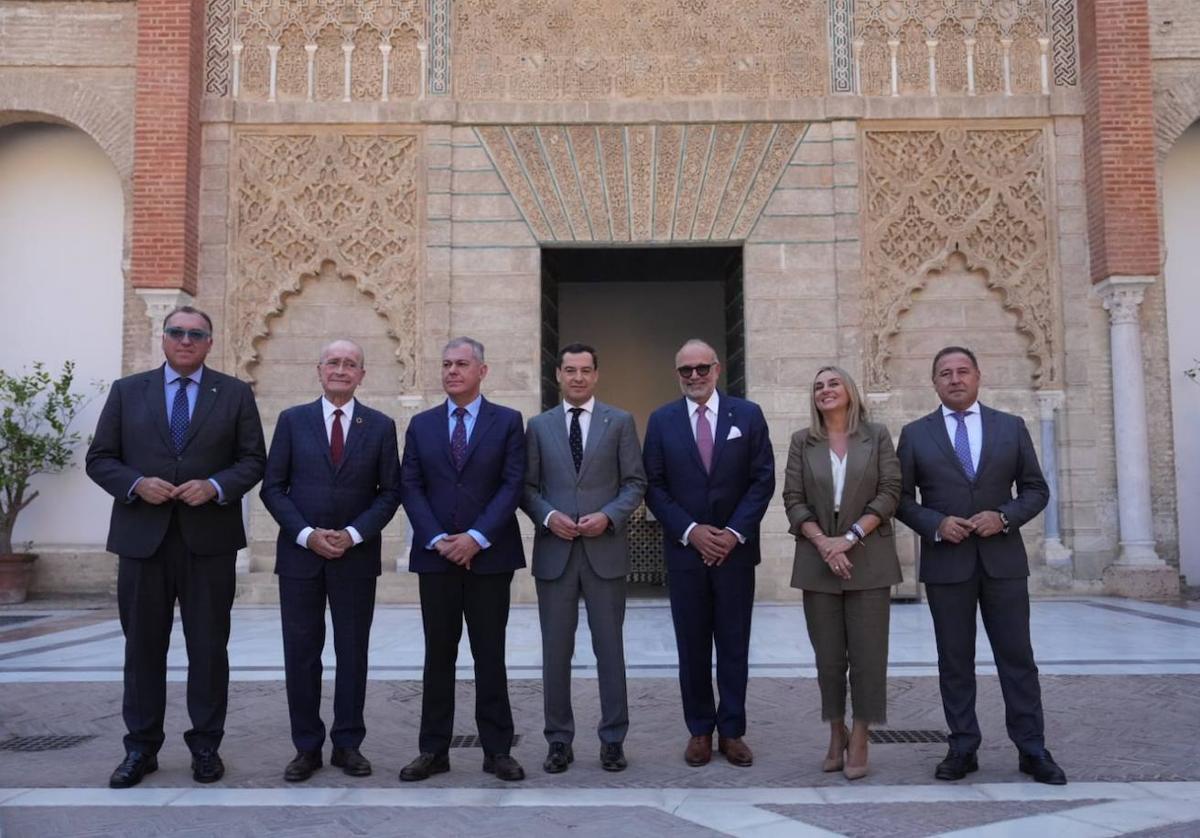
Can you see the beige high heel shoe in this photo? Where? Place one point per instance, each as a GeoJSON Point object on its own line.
{"type": "Point", "coordinates": [831, 764]}
{"type": "Point", "coordinates": [854, 772]}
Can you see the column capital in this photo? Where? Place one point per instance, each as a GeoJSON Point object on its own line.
{"type": "Point", "coordinates": [159, 303]}
{"type": "Point", "coordinates": [1122, 296]}
{"type": "Point", "coordinates": [1048, 402]}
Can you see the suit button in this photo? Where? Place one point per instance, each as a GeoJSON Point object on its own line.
{"type": "Point", "coordinates": [459, 485]}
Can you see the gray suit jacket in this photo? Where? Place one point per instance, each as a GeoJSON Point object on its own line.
{"type": "Point", "coordinates": [611, 480]}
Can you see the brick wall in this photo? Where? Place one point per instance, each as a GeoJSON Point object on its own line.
{"type": "Point", "coordinates": [166, 169]}
{"type": "Point", "coordinates": [1119, 151]}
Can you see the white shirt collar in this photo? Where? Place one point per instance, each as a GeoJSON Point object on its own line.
{"type": "Point", "coordinates": [472, 408]}
{"type": "Point", "coordinates": [589, 407]}
{"type": "Point", "coordinates": [328, 407]}
{"type": "Point", "coordinates": [712, 405]}
{"type": "Point", "coordinates": [974, 408]}
{"type": "Point", "coordinates": [174, 375]}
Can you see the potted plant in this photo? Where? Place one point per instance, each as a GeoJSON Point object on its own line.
{"type": "Point", "coordinates": [36, 413]}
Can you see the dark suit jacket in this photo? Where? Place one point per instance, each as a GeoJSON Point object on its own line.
{"type": "Point", "coordinates": [735, 494]}
{"type": "Point", "coordinates": [928, 463]}
{"type": "Point", "coordinates": [872, 485]}
{"type": "Point", "coordinates": [610, 480]}
{"type": "Point", "coordinates": [483, 496]}
{"type": "Point", "coordinates": [224, 443]}
{"type": "Point", "coordinates": [303, 489]}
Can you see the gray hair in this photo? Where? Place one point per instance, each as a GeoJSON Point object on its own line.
{"type": "Point", "coordinates": [476, 347]}
{"type": "Point", "coordinates": [699, 342]}
{"type": "Point", "coordinates": [362, 356]}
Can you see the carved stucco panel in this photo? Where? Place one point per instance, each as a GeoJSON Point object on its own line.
{"type": "Point", "coordinates": [306, 199]}
{"type": "Point", "coordinates": [981, 193]}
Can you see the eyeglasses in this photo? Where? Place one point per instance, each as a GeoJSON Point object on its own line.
{"type": "Point", "coordinates": [700, 370]}
{"type": "Point", "coordinates": [195, 335]}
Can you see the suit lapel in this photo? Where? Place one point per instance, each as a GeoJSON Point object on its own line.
{"type": "Point", "coordinates": [684, 422]}
{"type": "Point", "coordinates": [315, 417]}
{"type": "Point", "coordinates": [156, 402]}
{"type": "Point", "coordinates": [725, 421]}
{"type": "Point", "coordinates": [596, 431]}
{"type": "Point", "coordinates": [987, 421]}
{"type": "Point", "coordinates": [556, 416]}
{"type": "Point", "coordinates": [937, 429]}
{"type": "Point", "coordinates": [210, 389]}
{"type": "Point", "coordinates": [858, 450]}
{"type": "Point", "coordinates": [817, 454]}
{"type": "Point", "coordinates": [485, 419]}
{"type": "Point", "coordinates": [355, 431]}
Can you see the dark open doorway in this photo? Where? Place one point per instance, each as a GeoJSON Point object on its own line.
{"type": "Point", "coordinates": [637, 305]}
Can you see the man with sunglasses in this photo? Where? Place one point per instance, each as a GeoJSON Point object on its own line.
{"type": "Point", "coordinates": [710, 473]}
{"type": "Point", "coordinates": [177, 447]}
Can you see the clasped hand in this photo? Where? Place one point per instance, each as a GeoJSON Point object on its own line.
{"type": "Point", "coordinates": [588, 526]}
{"type": "Point", "coordinates": [155, 490]}
{"type": "Point", "coordinates": [459, 549]}
{"type": "Point", "coordinates": [983, 524]}
{"type": "Point", "coordinates": [713, 543]}
{"type": "Point", "coordinates": [329, 544]}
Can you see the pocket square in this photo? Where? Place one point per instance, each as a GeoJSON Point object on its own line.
{"type": "Point", "coordinates": [734, 433]}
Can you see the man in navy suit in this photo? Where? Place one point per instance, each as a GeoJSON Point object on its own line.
{"type": "Point", "coordinates": [965, 458]}
{"type": "Point", "coordinates": [710, 473]}
{"type": "Point", "coordinates": [332, 484]}
{"type": "Point", "coordinates": [461, 478]}
{"type": "Point", "coordinates": [177, 447]}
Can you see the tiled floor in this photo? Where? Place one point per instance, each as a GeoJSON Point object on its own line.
{"type": "Point", "coordinates": [1121, 684]}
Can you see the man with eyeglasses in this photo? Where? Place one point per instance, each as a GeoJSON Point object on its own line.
{"type": "Point", "coordinates": [711, 473]}
{"type": "Point", "coordinates": [177, 447]}
{"type": "Point", "coordinates": [332, 484]}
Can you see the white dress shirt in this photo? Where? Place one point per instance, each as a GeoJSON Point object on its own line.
{"type": "Point", "coordinates": [328, 408]}
{"type": "Point", "coordinates": [713, 408]}
{"type": "Point", "coordinates": [839, 478]}
{"type": "Point", "coordinates": [585, 422]}
{"type": "Point", "coordinates": [974, 430]}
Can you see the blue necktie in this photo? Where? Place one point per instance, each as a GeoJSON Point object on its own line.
{"type": "Point", "coordinates": [458, 439]}
{"type": "Point", "coordinates": [179, 415]}
{"type": "Point", "coordinates": [962, 445]}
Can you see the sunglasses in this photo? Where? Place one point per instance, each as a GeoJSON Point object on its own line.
{"type": "Point", "coordinates": [195, 335]}
{"type": "Point", "coordinates": [700, 370]}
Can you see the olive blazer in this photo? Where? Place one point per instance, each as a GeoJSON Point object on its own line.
{"type": "Point", "coordinates": [872, 485]}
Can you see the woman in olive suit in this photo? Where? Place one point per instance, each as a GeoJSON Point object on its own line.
{"type": "Point", "coordinates": [841, 488]}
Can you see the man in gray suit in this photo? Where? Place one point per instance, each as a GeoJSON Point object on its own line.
{"type": "Point", "coordinates": [583, 480]}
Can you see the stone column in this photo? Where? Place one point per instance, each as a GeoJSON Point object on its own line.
{"type": "Point", "coordinates": [159, 303]}
{"type": "Point", "coordinates": [1138, 571]}
{"type": "Point", "coordinates": [1058, 555]}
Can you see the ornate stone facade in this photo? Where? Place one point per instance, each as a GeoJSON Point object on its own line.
{"type": "Point", "coordinates": [302, 199]}
{"type": "Point", "coordinates": [598, 49]}
{"type": "Point", "coordinates": [949, 190]}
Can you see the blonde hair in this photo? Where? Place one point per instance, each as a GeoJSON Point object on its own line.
{"type": "Point", "coordinates": [856, 411]}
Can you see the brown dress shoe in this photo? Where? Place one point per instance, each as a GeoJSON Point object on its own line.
{"type": "Point", "coordinates": [699, 751]}
{"type": "Point", "coordinates": [736, 751]}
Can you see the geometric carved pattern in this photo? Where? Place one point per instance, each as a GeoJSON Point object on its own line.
{"type": "Point", "coordinates": [981, 194]}
{"type": "Point", "coordinates": [304, 199]}
{"type": "Point", "coordinates": [1062, 37]}
{"type": "Point", "coordinates": [658, 183]}
{"type": "Point", "coordinates": [368, 27]}
{"type": "Point", "coordinates": [841, 39]}
{"type": "Point", "coordinates": [439, 47]}
{"type": "Point", "coordinates": [623, 49]}
{"type": "Point", "coordinates": [950, 23]}
{"type": "Point", "coordinates": [219, 23]}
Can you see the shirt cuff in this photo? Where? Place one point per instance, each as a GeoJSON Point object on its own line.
{"type": "Point", "coordinates": [741, 538]}
{"type": "Point", "coordinates": [354, 536]}
{"type": "Point", "coordinates": [302, 537]}
{"type": "Point", "coordinates": [937, 536]}
{"type": "Point", "coordinates": [686, 533]}
{"type": "Point", "coordinates": [435, 540]}
{"type": "Point", "coordinates": [479, 539]}
{"type": "Point", "coordinates": [546, 523]}
{"type": "Point", "coordinates": [129, 496]}
{"type": "Point", "coordinates": [220, 491]}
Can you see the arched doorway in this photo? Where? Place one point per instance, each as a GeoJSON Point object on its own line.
{"type": "Point", "coordinates": [61, 291]}
{"type": "Point", "coordinates": [1181, 220]}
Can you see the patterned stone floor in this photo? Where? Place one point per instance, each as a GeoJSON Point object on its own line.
{"type": "Point", "coordinates": [1122, 700]}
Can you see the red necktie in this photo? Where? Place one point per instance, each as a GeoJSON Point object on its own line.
{"type": "Point", "coordinates": [337, 440]}
{"type": "Point", "coordinates": [704, 437]}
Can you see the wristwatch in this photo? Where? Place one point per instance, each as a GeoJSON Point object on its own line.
{"type": "Point", "coordinates": [1004, 521]}
{"type": "Point", "coordinates": [851, 537]}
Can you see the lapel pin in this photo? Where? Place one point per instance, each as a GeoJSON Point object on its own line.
{"type": "Point", "coordinates": [357, 420]}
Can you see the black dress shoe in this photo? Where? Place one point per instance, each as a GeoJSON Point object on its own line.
{"type": "Point", "coordinates": [424, 767]}
{"type": "Point", "coordinates": [207, 766]}
{"type": "Point", "coordinates": [612, 757]}
{"type": "Point", "coordinates": [351, 762]}
{"type": "Point", "coordinates": [302, 766]}
{"type": "Point", "coordinates": [132, 769]}
{"type": "Point", "coordinates": [1043, 769]}
{"type": "Point", "coordinates": [503, 766]}
{"type": "Point", "coordinates": [956, 766]}
{"type": "Point", "coordinates": [558, 758]}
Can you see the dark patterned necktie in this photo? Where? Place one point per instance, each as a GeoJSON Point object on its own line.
{"type": "Point", "coordinates": [458, 439]}
{"type": "Point", "coordinates": [962, 445]}
{"type": "Point", "coordinates": [179, 414]}
{"type": "Point", "coordinates": [337, 439]}
{"type": "Point", "coordinates": [576, 438]}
